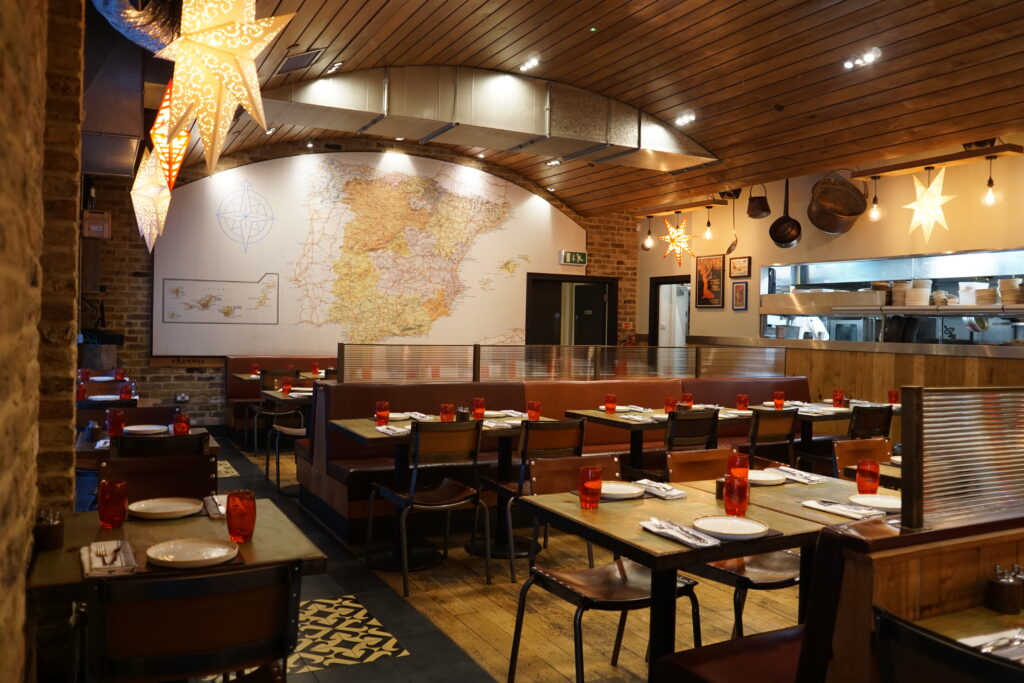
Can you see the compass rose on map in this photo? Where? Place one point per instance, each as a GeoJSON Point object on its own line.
{"type": "Point", "coordinates": [245, 216]}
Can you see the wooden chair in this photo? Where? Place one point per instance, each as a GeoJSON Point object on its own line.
{"type": "Point", "coordinates": [158, 627]}
{"type": "Point", "coordinates": [279, 431]}
{"type": "Point", "coordinates": [537, 440]}
{"type": "Point", "coordinates": [767, 571]}
{"type": "Point", "coordinates": [771, 431]}
{"type": "Point", "coordinates": [171, 476]}
{"type": "Point", "coordinates": [138, 446]}
{"type": "Point", "coordinates": [269, 380]}
{"type": "Point", "coordinates": [153, 415]}
{"type": "Point", "coordinates": [870, 421]}
{"type": "Point", "coordinates": [847, 453]}
{"type": "Point", "coordinates": [436, 443]}
{"type": "Point", "coordinates": [905, 652]}
{"type": "Point", "coordinates": [691, 429]}
{"type": "Point", "coordinates": [619, 586]}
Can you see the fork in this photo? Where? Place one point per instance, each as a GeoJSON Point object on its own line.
{"type": "Point", "coordinates": [1003, 643]}
{"type": "Point", "coordinates": [101, 552]}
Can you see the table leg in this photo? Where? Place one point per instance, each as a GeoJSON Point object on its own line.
{"type": "Point", "coordinates": [806, 576]}
{"type": "Point", "coordinates": [662, 635]}
{"type": "Point", "coordinates": [636, 448]}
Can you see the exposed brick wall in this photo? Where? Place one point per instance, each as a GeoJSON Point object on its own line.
{"type": "Point", "coordinates": [58, 326]}
{"type": "Point", "coordinates": [612, 252]}
{"type": "Point", "coordinates": [22, 101]}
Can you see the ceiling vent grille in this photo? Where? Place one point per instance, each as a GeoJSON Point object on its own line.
{"type": "Point", "coordinates": [298, 62]}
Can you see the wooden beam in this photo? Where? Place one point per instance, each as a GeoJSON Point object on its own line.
{"type": "Point", "coordinates": [955, 159]}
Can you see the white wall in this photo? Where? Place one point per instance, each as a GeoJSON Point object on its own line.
{"type": "Point", "coordinates": [972, 226]}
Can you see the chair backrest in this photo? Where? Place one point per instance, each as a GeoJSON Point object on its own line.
{"type": "Point", "coordinates": [444, 443]}
{"type": "Point", "coordinates": [905, 652]}
{"type": "Point", "coordinates": [153, 415]}
{"type": "Point", "coordinates": [119, 403]}
{"type": "Point", "coordinates": [158, 627]}
{"type": "Point", "coordinates": [138, 446]}
{"type": "Point", "coordinates": [772, 426]}
{"type": "Point", "coordinates": [169, 476]}
{"type": "Point", "coordinates": [558, 475]}
{"type": "Point", "coordinates": [696, 429]}
{"type": "Point", "coordinates": [697, 465]}
{"type": "Point", "coordinates": [870, 421]}
{"type": "Point", "coordinates": [267, 377]}
{"type": "Point", "coordinates": [555, 439]}
{"type": "Point", "coordinates": [822, 607]}
{"type": "Point", "coordinates": [849, 452]}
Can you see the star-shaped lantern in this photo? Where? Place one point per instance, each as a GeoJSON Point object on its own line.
{"type": "Point", "coordinates": [214, 70]}
{"type": "Point", "coordinates": [928, 206]}
{"type": "Point", "coordinates": [169, 149]}
{"type": "Point", "coordinates": [678, 241]}
{"type": "Point", "coordinates": [151, 198]}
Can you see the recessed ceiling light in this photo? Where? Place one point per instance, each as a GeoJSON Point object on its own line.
{"type": "Point", "coordinates": [399, 139]}
{"type": "Point", "coordinates": [686, 117]}
{"type": "Point", "coordinates": [529, 64]}
{"type": "Point", "coordinates": [334, 67]}
{"type": "Point", "coordinates": [480, 155]}
{"type": "Point", "coordinates": [868, 57]}
{"type": "Point", "coordinates": [309, 144]}
{"type": "Point", "coordinates": [554, 162]}
{"type": "Point", "coordinates": [271, 131]}
{"type": "Point", "coordinates": [593, 28]}
{"type": "Point", "coordinates": [551, 189]}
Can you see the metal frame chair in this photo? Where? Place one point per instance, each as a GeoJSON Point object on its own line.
{"type": "Point", "coordinates": [771, 428]}
{"type": "Point", "coordinates": [268, 409]}
{"type": "Point", "coordinates": [686, 429]}
{"type": "Point", "coordinates": [848, 452]}
{"type": "Point", "coordinates": [870, 421]}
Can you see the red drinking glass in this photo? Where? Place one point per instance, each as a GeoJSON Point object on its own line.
{"type": "Point", "coordinates": [115, 422]}
{"type": "Point", "coordinates": [609, 403]}
{"type": "Point", "coordinates": [838, 398]}
{"type": "Point", "coordinates": [254, 368]}
{"type": "Point", "coordinates": [182, 425]}
{"type": "Point", "coordinates": [119, 374]}
{"type": "Point", "coordinates": [479, 406]}
{"type": "Point", "coordinates": [590, 487]}
{"type": "Point", "coordinates": [779, 398]}
{"type": "Point", "coordinates": [314, 368]}
{"type": "Point", "coordinates": [382, 412]}
{"type": "Point", "coordinates": [894, 396]}
{"type": "Point", "coordinates": [670, 404]}
{"type": "Point", "coordinates": [241, 515]}
{"type": "Point", "coordinates": [83, 374]}
{"type": "Point", "coordinates": [447, 412]}
{"type": "Point", "coordinates": [286, 388]}
{"type": "Point", "coordinates": [112, 503]}
{"type": "Point", "coordinates": [533, 410]}
{"type": "Point", "coordinates": [686, 401]}
{"type": "Point", "coordinates": [736, 495]}
{"type": "Point", "coordinates": [80, 391]}
{"type": "Point", "coordinates": [867, 476]}
{"type": "Point", "coordinates": [739, 465]}
{"type": "Point", "coordinates": [742, 401]}
{"type": "Point", "coordinates": [125, 391]}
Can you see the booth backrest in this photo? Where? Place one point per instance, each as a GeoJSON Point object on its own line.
{"type": "Point", "coordinates": [558, 396]}
{"type": "Point", "coordinates": [723, 390]}
{"type": "Point", "coordinates": [236, 389]}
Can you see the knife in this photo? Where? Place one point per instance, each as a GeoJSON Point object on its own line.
{"type": "Point", "coordinates": [680, 529]}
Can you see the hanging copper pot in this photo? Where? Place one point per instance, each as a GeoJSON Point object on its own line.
{"type": "Point", "coordinates": [836, 203]}
{"type": "Point", "coordinates": [757, 207]}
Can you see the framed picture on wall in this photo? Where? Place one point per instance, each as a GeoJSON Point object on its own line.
{"type": "Point", "coordinates": [739, 296]}
{"type": "Point", "coordinates": [739, 267]}
{"type": "Point", "coordinates": [710, 281]}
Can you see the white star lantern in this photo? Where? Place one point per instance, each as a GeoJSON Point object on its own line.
{"type": "Point", "coordinates": [150, 198]}
{"type": "Point", "coordinates": [678, 241]}
{"type": "Point", "coordinates": [214, 70]}
{"type": "Point", "coordinates": [928, 206]}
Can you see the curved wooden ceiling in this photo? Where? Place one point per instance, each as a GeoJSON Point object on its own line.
{"type": "Point", "coordinates": [765, 77]}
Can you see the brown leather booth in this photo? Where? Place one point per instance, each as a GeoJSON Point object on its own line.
{"type": "Point", "coordinates": [723, 391]}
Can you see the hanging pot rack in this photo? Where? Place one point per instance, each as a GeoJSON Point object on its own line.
{"type": "Point", "coordinates": [954, 159]}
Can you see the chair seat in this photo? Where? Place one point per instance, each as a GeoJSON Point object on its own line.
{"type": "Point", "coordinates": [767, 570]}
{"type": "Point", "coordinates": [291, 431]}
{"type": "Point", "coordinates": [448, 492]}
{"type": "Point", "coordinates": [773, 656]}
{"type": "Point", "coordinates": [511, 487]}
{"type": "Point", "coordinates": [622, 584]}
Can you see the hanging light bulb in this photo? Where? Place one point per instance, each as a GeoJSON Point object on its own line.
{"type": "Point", "coordinates": [875, 213]}
{"type": "Point", "coordinates": [707, 230]}
{"type": "Point", "coordinates": [648, 242]}
{"type": "Point", "coordinates": [990, 195]}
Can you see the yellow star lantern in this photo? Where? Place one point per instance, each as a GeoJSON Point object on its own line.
{"type": "Point", "coordinates": [678, 241]}
{"type": "Point", "coordinates": [928, 206]}
{"type": "Point", "coordinates": [169, 149]}
{"type": "Point", "coordinates": [214, 70]}
{"type": "Point", "coordinates": [150, 198]}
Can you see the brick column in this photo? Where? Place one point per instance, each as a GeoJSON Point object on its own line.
{"type": "Point", "coordinates": [612, 252]}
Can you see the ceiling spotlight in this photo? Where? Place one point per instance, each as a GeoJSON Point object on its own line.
{"type": "Point", "coordinates": [334, 67]}
{"type": "Point", "coordinates": [480, 155]}
{"type": "Point", "coordinates": [593, 28]}
{"type": "Point", "coordinates": [529, 64]}
{"type": "Point", "coordinates": [271, 131]}
{"type": "Point", "coordinates": [686, 117]}
{"type": "Point", "coordinates": [868, 57]}
{"type": "Point", "coordinates": [399, 139]}
{"type": "Point", "coordinates": [309, 144]}
{"type": "Point", "coordinates": [551, 188]}
{"type": "Point", "coordinates": [554, 162]}
{"type": "Point", "coordinates": [848, 64]}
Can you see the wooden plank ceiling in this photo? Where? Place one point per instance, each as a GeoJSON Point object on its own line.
{"type": "Point", "coordinates": [765, 77]}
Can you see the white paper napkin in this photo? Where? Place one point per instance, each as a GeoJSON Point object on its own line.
{"type": "Point", "coordinates": [514, 413]}
{"type": "Point", "coordinates": [636, 409]}
{"type": "Point", "coordinates": [216, 506]}
{"type": "Point", "coordinates": [102, 443]}
{"type": "Point", "coordinates": [688, 536]}
{"type": "Point", "coordinates": [419, 416]}
{"type": "Point", "coordinates": [393, 431]}
{"type": "Point", "coordinates": [637, 418]}
{"type": "Point", "coordinates": [118, 561]}
{"type": "Point", "coordinates": [494, 424]}
{"type": "Point", "coordinates": [657, 488]}
{"type": "Point", "coordinates": [798, 476]}
{"type": "Point", "coordinates": [844, 509]}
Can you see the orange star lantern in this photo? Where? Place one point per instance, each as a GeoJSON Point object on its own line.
{"type": "Point", "coordinates": [678, 241]}
{"type": "Point", "coordinates": [169, 149]}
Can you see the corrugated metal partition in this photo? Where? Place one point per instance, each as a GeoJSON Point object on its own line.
{"type": "Point", "coordinates": [963, 456]}
{"type": "Point", "coordinates": [404, 363]}
{"type": "Point", "coordinates": [515, 363]}
{"type": "Point", "coordinates": [624, 362]}
{"type": "Point", "coordinates": [742, 361]}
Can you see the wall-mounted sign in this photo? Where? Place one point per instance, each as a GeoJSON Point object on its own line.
{"type": "Point", "coordinates": [572, 258]}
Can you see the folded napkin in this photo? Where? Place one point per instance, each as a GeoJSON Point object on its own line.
{"type": "Point", "coordinates": [682, 534]}
{"type": "Point", "coordinates": [514, 413]}
{"type": "Point", "coordinates": [798, 476]}
{"type": "Point", "coordinates": [636, 409]}
{"type": "Point", "coordinates": [216, 506]}
{"type": "Point", "coordinates": [657, 488]}
{"type": "Point", "coordinates": [419, 416]}
{"type": "Point", "coordinates": [102, 443]}
{"type": "Point", "coordinates": [637, 418]}
{"type": "Point", "coordinates": [393, 431]}
{"type": "Point", "coordinates": [845, 509]}
{"type": "Point", "coordinates": [495, 424]}
{"type": "Point", "coordinates": [117, 560]}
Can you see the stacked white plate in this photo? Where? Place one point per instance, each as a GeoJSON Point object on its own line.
{"type": "Point", "coordinates": [940, 297]}
{"type": "Point", "coordinates": [917, 296]}
{"type": "Point", "coordinates": [1009, 290]}
{"type": "Point", "coordinates": [899, 292]}
{"type": "Point", "coordinates": [984, 297]}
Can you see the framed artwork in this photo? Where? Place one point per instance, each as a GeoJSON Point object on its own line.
{"type": "Point", "coordinates": [739, 266]}
{"type": "Point", "coordinates": [710, 281]}
{"type": "Point", "coordinates": [739, 296]}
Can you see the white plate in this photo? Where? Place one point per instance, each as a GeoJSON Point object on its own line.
{"type": "Point", "coordinates": [620, 490]}
{"type": "Point", "coordinates": [145, 429]}
{"type": "Point", "coordinates": [103, 378]}
{"type": "Point", "coordinates": [730, 528]}
{"type": "Point", "coordinates": [192, 552]}
{"type": "Point", "coordinates": [105, 397]}
{"type": "Point", "coordinates": [887, 503]}
{"type": "Point", "coordinates": [736, 411]}
{"type": "Point", "coordinates": [762, 478]}
{"type": "Point", "coordinates": [618, 409]}
{"type": "Point", "coordinates": [771, 404]}
{"type": "Point", "coordinates": [659, 417]}
{"type": "Point", "coordinates": [165, 508]}
{"type": "Point", "coordinates": [494, 413]}
{"type": "Point", "coordinates": [896, 460]}
{"type": "Point", "coordinates": [398, 416]}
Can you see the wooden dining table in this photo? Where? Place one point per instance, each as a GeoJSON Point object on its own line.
{"type": "Point", "coordinates": [614, 525]}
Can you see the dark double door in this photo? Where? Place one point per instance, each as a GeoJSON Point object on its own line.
{"type": "Point", "coordinates": [588, 302]}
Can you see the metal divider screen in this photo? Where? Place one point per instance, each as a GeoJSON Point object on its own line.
{"type": "Point", "coordinates": [515, 363]}
{"type": "Point", "coordinates": [742, 361]}
{"type": "Point", "coordinates": [625, 362]}
{"type": "Point", "coordinates": [407, 363]}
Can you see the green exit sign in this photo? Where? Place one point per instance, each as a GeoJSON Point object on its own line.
{"type": "Point", "coordinates": [572, 258]}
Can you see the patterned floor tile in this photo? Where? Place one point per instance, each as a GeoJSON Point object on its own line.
{"type": "Point", "coordinates": [339, 631]}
